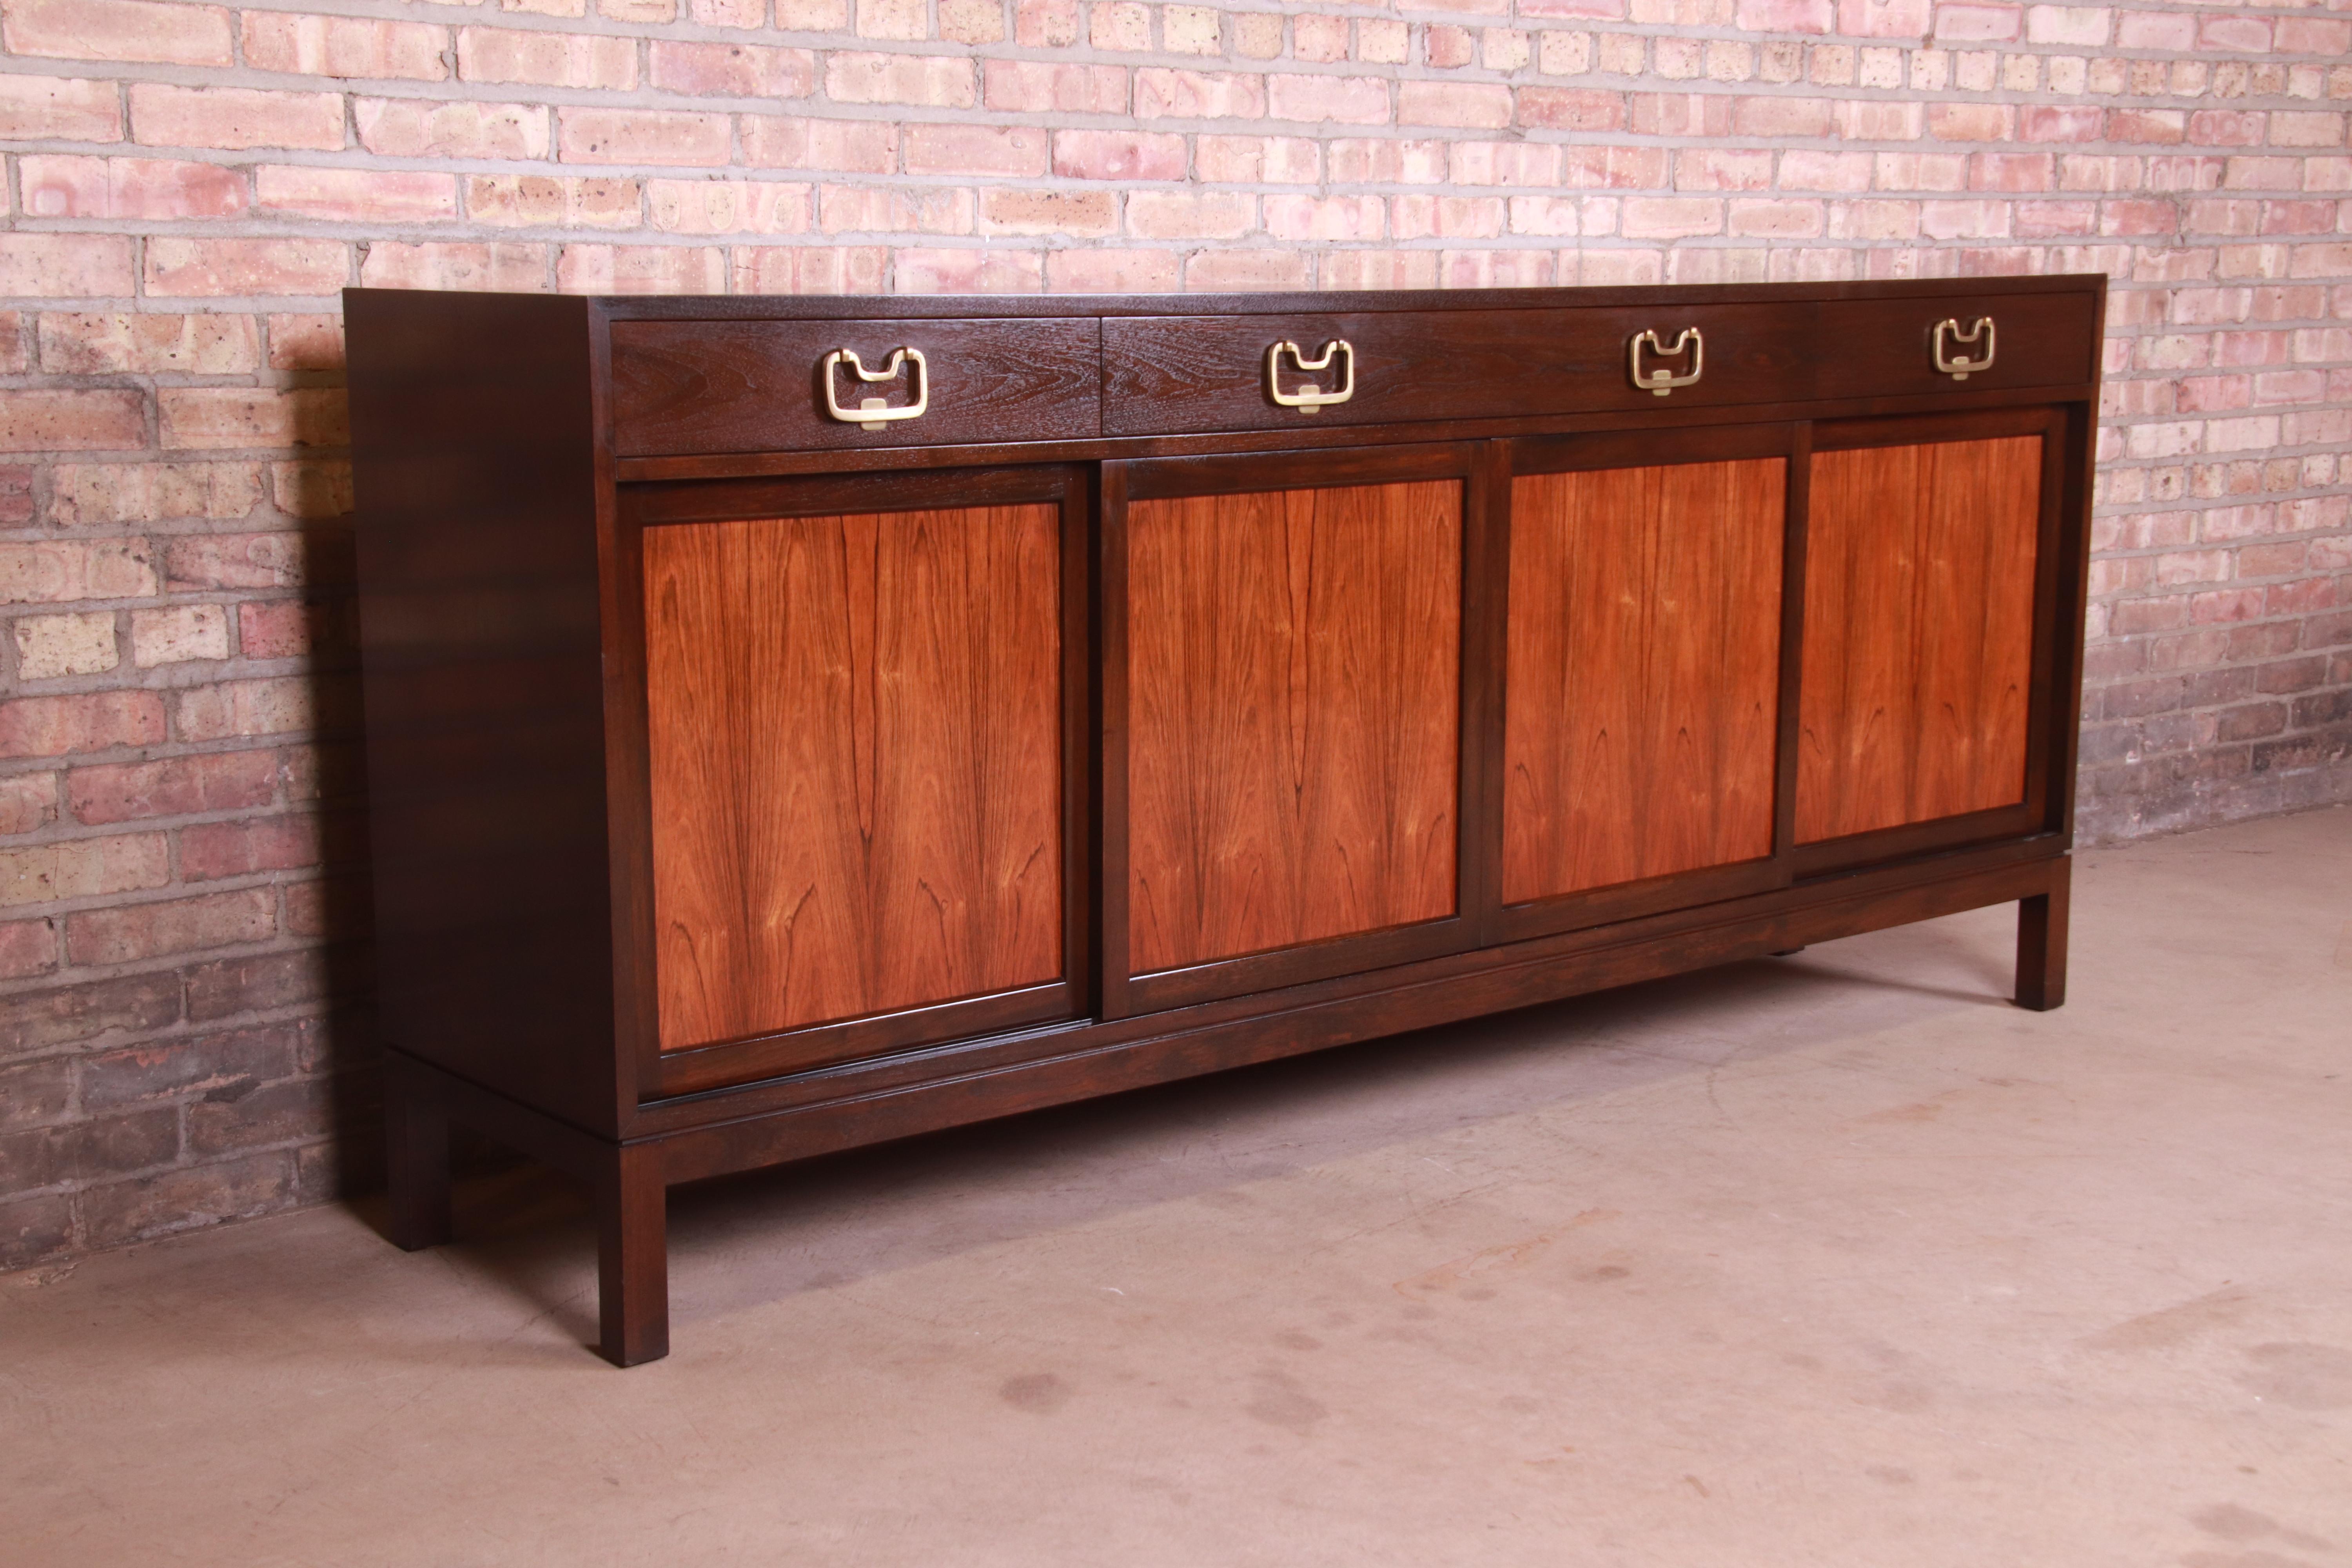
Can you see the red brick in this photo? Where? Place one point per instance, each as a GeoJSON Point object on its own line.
{"type": "Point", "coordinates": [35, 108]}
{"type": "Point", "coordinates": [128, 30]}
{"type": "Point", "coordinates": [641, 270]}
{"type": "Point", "coordinates": [64, 266]}
{"type": "Point", "coordinates": [212, 417]}
{"type": "Point", "coordinates": [64, 186]}
{"type": "Point", "coordinates": [1038, 87]}
{"type": "Point", "coordinates": [27, 948]}
{"type": "Point", "coordinates": [1199, 95]}
{"type": "Point", "coordinates": [736, 70]}
{"type": "Point", "coordinates": [344, 47]}
{"type": "Point", "coordinates": [228, 986]}
{"type": "Point", "coordinates": [1348, 99]}
{"type": "Point", "coordinates": [118, 1213]}
{"type": "Point", "coordinates": [643, 136]}
{"type": "Point", "coordinates": [422, 128]}
{"type": "Point", "coordinates": [130, 932]}
{"type": "Point", "coordinates": [547, 59]}
{"type": "Point", "coordinates": [1571, 108]}
{"type": "Point", "coordinates": [42, 421]}
{"type": "Point", "coordinates": [56, 726]}
{"type": "Point", "coordinates": [927, 271]}
{"type": "Point", "coordinates": [1019, 151]}
{"type": "Point", "coordinates": [510, 268]}
{"type": "Point", "coordinates": [353, 195]}
{"type": "Point", "coordinates": [132, 342]}
{"type": "Point", "coordinates": [221, 267]}
{"type": "Point", "coordinates": [1464, 105]}
{"type": "Point", "coordinates": [1117, 156]}
{"type": "Point", "coordinates": [928, 83]}
{"type": "Point", "coordinates": [162, 115]}
{"type": "Point", "coordinates": [845, 146]}
{"type": "Point", "coordinates": [173, 786]}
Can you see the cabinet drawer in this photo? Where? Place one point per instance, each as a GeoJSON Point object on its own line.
{"type": "Point", "coordinates": [1881, 348]}
{"type": "Point", "coordinates": [752, 386]}
{"type": "Point", "coordinates": [1188, 375]}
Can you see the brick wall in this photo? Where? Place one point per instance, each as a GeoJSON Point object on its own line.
{"type": "Point", "coordinates": [182, 953]}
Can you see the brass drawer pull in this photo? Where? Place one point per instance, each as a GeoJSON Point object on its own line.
{"type": "Point", "coordinates": [1664, 382]}
{"type": "Point", "coordinates": [1311, 396]}
{"type": "Point", "coordinates": [1958, 369]}
{"type": "Point", "coordinates": [873, 412]}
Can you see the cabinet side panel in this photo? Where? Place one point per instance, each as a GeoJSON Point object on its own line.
{"type": "Point", "coordinates": [1919, 633]}
{"type": "Point", "coordinates": [475, 474]}
{"type": "Point", "coordinates": [855, 734]}
{"type": "Point", "coordinates": [1293, 690]}
{"type": "Point", "coordinates": [1641, 692]}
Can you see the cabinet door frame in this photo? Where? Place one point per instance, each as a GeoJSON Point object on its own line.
{"type": "Point", "coordinates": [1123, 994]}
{"type": "Point", "coordinates": [814, 1048]}
{"type": "Point", "coordinates": [1644, 449]}
{"type": "Point", "coordinates": [2050, 716]}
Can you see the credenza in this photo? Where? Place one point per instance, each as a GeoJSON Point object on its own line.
{"type": "Point", "coordinates": [797, 723]}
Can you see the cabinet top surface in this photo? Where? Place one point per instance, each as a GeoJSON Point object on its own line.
{"type": "Point", "coordinates": [710, 307]}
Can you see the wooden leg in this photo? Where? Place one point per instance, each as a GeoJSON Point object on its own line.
{"type": "Point", "coordinates": [2041, 942]}
{"type": "Point", "coordinates": [417, 1161]}
{"type": "Point", "coordinates": [632, 1255]}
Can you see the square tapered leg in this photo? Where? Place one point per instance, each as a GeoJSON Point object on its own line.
{"type": "Point", "coordinates": [2041, 942]}
{"type": "Point", "coordinates": [632, 1255]}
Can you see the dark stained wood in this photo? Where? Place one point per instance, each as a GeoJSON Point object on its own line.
{"type": "Point", "coordinates": [744, 386]}
{"type": "Point", "coordinates": [416, 1160]}
{"type": "Point", "coordinates": [503, 539]}
{"type": "Point", "coordinates": [632, 1255]}
{"type": "Point", "coordinates": [1881, 346]}
{"type": "Point", "coordinates": [1920, 575]}
{"type": "Point", "coordinates": [1644, 670]}
{"type": "Point", "coordinates": [1293, 681]}
{"type": "Point", "coordinates": [2042, 925]}
{"type": "Point", "coordinates": [855, 756]}
{"type": "Point", "coordinates": [1188, 374]}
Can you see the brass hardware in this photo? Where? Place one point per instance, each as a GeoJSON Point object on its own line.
{"type": "Point", "coordinates": [1664, 382]}
{"type": "Point", "coordinates": [1958, 369]}
{"type": "Point", "coordinates": [1310, 396]}
{"type": "Point", "coordinates": [873, 412]}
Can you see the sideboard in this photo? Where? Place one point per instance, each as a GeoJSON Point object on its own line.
{"type": "Point", "coordinates": [796, 723]}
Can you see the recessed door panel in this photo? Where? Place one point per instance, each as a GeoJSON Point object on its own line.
{"type": "Point", "coordinates": [855, 736]}
{"type": "Point", "coordinates": [1292, 699]}
{"type": "Point", "coordinates": [1642, 689]}
{"type": "Point", "coordinates": [1920, 577]}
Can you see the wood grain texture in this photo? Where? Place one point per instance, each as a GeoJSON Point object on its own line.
{"type": "Point", "coordinates": [1293, 697]}
{"type": "Point", "coordinates": [1919, 588]}
{"type": "Point", "coordinates": [855, 757]}
{"type": "Point", "coordinates": [1642, 685]}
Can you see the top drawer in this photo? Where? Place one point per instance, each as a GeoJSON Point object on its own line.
{"type": "Point", "coordinates": [754, 386]}
{"type": "Point", "coordinates": [1880, 348]}
{"type": "Point", "coordinates": [1167, 375]}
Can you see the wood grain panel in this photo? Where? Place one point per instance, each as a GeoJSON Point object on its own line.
{"type": "Point", "coordinates": [1642, 689]}
{"type": "Point", "coordinates": [1293, 701]}
{"type": "Point", "coordinates": [1919, 633]}
{"type": "Point", "coordinates": [855, 754]}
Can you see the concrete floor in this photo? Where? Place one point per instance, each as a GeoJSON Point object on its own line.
{"type": "Point", "coordinates": [1836, 1260]}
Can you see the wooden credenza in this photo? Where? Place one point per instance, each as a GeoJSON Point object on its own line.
{"type": "Point", "coordinates": [797, 723]}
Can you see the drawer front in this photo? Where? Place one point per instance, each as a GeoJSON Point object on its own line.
{"type": "Point", "coordinates": [1881, 348]}
{"type": "Point", "coordinates": [684, 388]}
{"type": "Point", "coordinates": [1167, 375]}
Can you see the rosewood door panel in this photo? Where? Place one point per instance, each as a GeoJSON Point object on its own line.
{"type": "Point", "coordinates": [855, 757]}
{"type": "Point", "coordinates": [1293, 764]}
{"type": "Point", "coordinates": [1919, 633]}
{"type": "Point", "coordinates": [1642, 686]}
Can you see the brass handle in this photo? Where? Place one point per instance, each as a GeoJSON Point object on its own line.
{"type": "Point", "coordinates": [1311, 396]}
{"type": "Point", "coordinates": [873, 412]}
{"type": "Point", "coordinates": [1958, 369]}
{"type": "Point", "coordinates": [1664, 382]}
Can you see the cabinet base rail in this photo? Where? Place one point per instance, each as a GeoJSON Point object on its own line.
{"type": "Point", "coordinates": [631, 1180]}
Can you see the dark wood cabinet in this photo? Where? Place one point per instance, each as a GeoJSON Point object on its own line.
{"type": "Point", "coordinates": [794, 724]}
